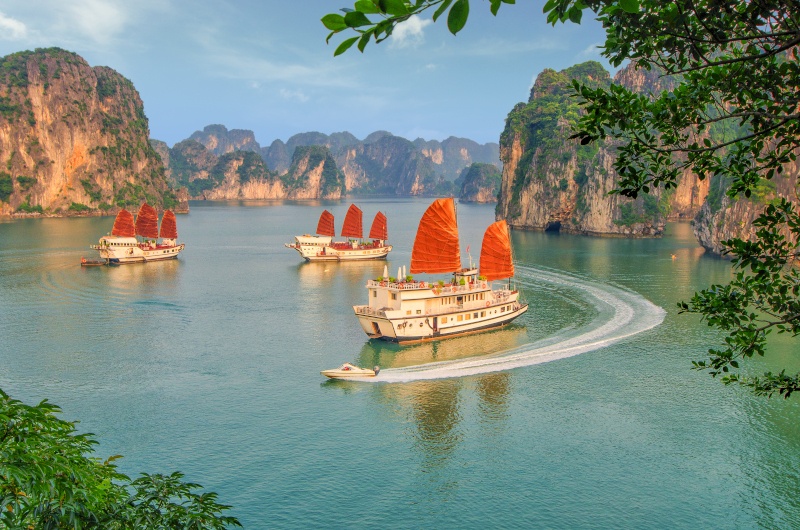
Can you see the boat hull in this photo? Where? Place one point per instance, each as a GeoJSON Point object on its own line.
{"type": "Point", "coordinates": [340, 374]}
{"type": "Point", "coordinates": [430, 313]}
{"type": "Point", "coordinates": [127, 250]}
{"type": "Point", "coordinates": [315, 248]}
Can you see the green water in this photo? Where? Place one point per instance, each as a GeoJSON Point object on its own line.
{"type": "Point", "coordinates": [210, 365]}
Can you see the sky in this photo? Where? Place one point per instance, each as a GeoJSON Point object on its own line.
{"type": "Point", "coordinates": [263, 65]}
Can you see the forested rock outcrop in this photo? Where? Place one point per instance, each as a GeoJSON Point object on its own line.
{"type": "Point", "coordinates": [244, 174]}
{"type": "Point", "coordinates": [722, 218]}
{"type": "Point", "coordinates": [479, 183]}
{"type": "Point", "coordinates": [553, 182]}
{"type": "Point", "coordinates": [74, 139]}
{"type": "Point", "coordinates": [382, 163]}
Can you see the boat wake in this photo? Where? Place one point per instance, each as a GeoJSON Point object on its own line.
{"type": "Point", "coordinates": [620, 314]}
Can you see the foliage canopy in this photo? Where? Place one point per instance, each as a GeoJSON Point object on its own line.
{"type": "Point", "coordinates": [737, 71]}
{"type": "Point", "coordinates": [50, 480]}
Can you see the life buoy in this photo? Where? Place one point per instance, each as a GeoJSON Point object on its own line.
{"type": "Point", "coordinates": [130, 251]}
{"type": "Point", "coordinates": [83, 260]}
{"type": "Point", "coordinates": [487, 304]}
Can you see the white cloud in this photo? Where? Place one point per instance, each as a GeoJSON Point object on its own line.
{"type": "Point", "coordinates": [99, 20]}
{"type": "Point", "coordinates": [409, 34]}
{"type": "Point", "coordinates": [12, 29]}
{"type": "Point", "coordinates": [430, 66]}
{"type": "Point", "coordinates": [593, 50]}
{"type": "Point", "coordinates": [293, 95]}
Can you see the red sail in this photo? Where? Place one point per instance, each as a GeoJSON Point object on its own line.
{"type": "Point", "coordinates": [496, 261]}
{"type": "Point", "coordinates": [123, 224]}
{"type": "Point", "coordinates": [378, 229]}
{"type": "Point", "coordinates": [169, 226]}
{"type": "Point", "coordinates": [436, 245]}
{"type": "Point", "coordinates": [352, 223]}
{"type": "Point", "coordinates": [325, 224]}
{"type": "Point", "coordinates": [147, 222]}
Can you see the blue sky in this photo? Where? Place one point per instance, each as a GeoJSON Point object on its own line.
{"type": "Point", "coordinates": [264, 65]}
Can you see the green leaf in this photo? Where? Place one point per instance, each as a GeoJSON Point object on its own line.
{"type": "Point", "coordinates": [334, 22]}
{"type": "Point", "coordinates": [345, 45]}
{"type": "Point", "coordinates": [367, 6]}
{"type": "Point", "coordinates": [442, 9]}
{"type": "Point", "coordinates": [393, 7]}
{"type": "Point", "coordinates": [363, 41]}
{"type": "Point", "coordinates": [629, 6]}
{"type": "Point", "coordinates": [355, 19]}
{"type": "Point", "coordinates": [457, 17]}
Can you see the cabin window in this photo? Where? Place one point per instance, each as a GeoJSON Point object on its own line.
{"type": "Point", "coordinates": [408, 311]}
{"type": "Point", "coordinates": [474, 315]}
{"type": "Point", "coordinates": [444, 320]}
{"type": "Point", "coordinates": [394, 296]}
{"type": "Point", "coordinates": [374, 294]}
{"type": "Point", "coordinates": [483, 313]}
{"type": "Point", "coordinates": [419, 311]}
{"type": "Point", "coordinates": [503, 309]}
{"type": "Point", "coordinates": [467, 316]}
{"type": "Point", "coordinates": [460, 318]}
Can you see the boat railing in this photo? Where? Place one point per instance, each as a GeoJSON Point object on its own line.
{"type": "Point", "coordinates": [438, 289]}
{"type": "Point", "coordinates": [366, 310]}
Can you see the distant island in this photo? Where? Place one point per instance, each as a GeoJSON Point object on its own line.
{"type": "Point", "coordinates": [217, 163]}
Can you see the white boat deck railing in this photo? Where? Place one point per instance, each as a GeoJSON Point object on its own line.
{"type": "Point", "coordinates": [366, 310]}
{"type": "Point", "coordinates": [446, 288]}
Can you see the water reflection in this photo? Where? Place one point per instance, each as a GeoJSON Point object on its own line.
{"type": "Point", "coordinates": [391, 355]}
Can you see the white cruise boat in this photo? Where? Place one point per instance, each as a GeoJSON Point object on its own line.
{"type": "Point", "coordinates": [322, 247]}
{"type": "Point", "coordinates": [470, 301]}
{"type": "Point", "coordinates": [123, 245]}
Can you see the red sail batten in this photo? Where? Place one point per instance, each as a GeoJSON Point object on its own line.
{"type": "Point", "coordinates": [379, 229]}
{"type": "Point", "coordinates": [352, 223]}
{"type": "Point", "coordinates": [147, 222]}
{"type": "Point", "coordinates": [325, 225]}
{"type": "Point", "coordinates": [436, 248]}
{"type": "Point", "coordinates": [124, 225]}
{"type": "Point", "coordinates": [169, 226]}
{"type": "Point", "coordinates": [496, 260]}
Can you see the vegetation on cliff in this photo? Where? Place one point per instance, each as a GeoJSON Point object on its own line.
{"type": "Point", "coordinates": [479, 182]}
{"type": "Point", "coordinates": [308, 158]}
{"type": "Point", "coordinates": [74, 138]}
{"type": "Point", "coordinates": [737, 65]}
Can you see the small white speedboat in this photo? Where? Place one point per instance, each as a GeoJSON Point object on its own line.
{"type": "Point", "coordinates": [350, 370]}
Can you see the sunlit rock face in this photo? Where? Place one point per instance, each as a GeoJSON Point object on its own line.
{"type": "Point", "coordinates": [73, 139]}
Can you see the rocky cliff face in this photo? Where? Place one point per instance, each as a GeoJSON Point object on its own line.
{"type": "Point", "coordinates": [73, 139]}
{"type": "Point", "coordinates": [244, 175]}
{"type": "Point", "coordinates": [382, 163]}
{"type": "Point", "coordinates": [219, 140]}
{"type": "Point", "coordinates": [722, 218]}
{"type": "Point", "coordinates": [479, 183]}
{"type": "Point", "coordinates": [553, 183]}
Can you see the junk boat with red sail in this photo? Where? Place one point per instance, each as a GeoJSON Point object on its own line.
{"type": "Point", "coordinates": [404, 310]}
{"type": "Point", "coordinates": [322, 247]}
{"type": "Point", "coordinates": [124, 245]}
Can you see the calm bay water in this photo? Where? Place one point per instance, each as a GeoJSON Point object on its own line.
{"type": "Point", "coordinates": [210, 365]}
